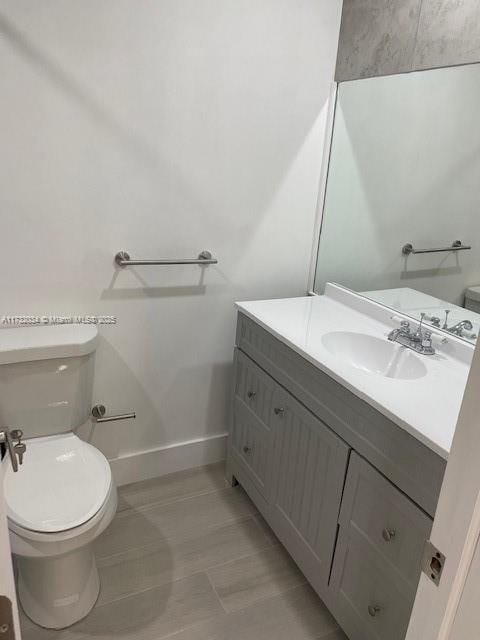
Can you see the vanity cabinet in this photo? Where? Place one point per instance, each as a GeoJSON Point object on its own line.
{"type": "Point", "coordinates": [350, 494]}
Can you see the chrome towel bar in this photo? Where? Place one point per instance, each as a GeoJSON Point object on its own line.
{"type": "Point", "coordinates": [123, 259]}
{"type": "Point", "coordinates": [98, 414]}
{"type": "Point", "coordinates": [407, 249]}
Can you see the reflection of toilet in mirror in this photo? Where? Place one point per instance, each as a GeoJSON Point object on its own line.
{"type": "Point", "coordinates": [64, 496]}
{"type": "Point", "coordinates": [472, 299]}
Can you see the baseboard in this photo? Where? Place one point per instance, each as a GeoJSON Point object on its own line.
{"type": "Point", "coordinates": [178, 456]}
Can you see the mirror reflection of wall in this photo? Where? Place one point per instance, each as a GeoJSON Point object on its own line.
{"type": "Point", "coordinates": [405, 168]}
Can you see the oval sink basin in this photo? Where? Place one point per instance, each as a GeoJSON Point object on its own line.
{"type": "Point", "coordinates": [375, 355]}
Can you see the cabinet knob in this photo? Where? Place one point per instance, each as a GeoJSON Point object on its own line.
{"type": "Point", "coordinates": [388, 534]}
{"type": "Point", "coordinates": [279, 411]}
{"type": "Point", "coordinates": [251, 394]}
{"type": "Point", "coordinates": [373, 609]}
{"type": "Point", "coordinates": [247, 450]}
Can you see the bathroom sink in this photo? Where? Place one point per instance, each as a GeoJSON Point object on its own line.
{"type": "Point", "coordinates": [375, 355]}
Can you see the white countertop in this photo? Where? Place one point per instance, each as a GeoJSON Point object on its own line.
{"type": "Point", "coordinates": [426, 407]}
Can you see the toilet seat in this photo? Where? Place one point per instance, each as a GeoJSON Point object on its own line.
{"type": "Point", "coordinates": [64, 483]}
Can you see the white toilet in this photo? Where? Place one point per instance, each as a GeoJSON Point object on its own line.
{"type": "Point", "coordinates": [63, 495]}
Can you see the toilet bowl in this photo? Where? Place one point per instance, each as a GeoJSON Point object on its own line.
{"type": "Point", "coordinates": [57, 506]}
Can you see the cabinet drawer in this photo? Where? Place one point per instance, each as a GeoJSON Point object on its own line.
{"type": "Point", "coordinates": [388, 520]}
{"type": "Point", "coordinates": [251, 437]}
{"type": "Point", "coordinates": [253, 387]}
{"type": "Point", "coordinates": [370, 602]}
{"type": "Point", "coordinates": [251, 445]}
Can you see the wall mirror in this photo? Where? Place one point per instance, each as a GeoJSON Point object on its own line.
{"type": "Point", "coordinates": [401, 217]}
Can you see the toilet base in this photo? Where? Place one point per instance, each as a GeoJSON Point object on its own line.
{"type": "Point", "coordinates": [56, 592]}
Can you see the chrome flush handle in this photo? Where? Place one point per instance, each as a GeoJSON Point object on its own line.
{"type": "Point", "coordinates": [16, 450]}
{"type": "Point", "coordinates": [388, 534]}
{"type": "Point", "coordinates": [19, 447]}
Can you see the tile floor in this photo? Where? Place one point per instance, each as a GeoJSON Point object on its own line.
{"type": "Point", "coordinates": [187, 558]}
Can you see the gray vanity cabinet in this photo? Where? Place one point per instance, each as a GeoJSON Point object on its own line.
{"type": "Point", "coordinates": [310, 462]}
{"type": "Point", "coordinates": [348, 492]}
{"type": "Point", "coordinates": [378, 556]}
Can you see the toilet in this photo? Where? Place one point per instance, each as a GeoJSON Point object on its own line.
{"type": "Point", "coordinates": [63, 495]}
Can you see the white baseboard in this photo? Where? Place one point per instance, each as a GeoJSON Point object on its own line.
{"type": "Point", "coordinates": [178, 456]}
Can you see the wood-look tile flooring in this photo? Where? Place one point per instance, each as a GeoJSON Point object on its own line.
{"type": "Point", "coordinates": [188, 558]}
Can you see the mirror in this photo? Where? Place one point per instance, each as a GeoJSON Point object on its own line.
{"type": "Point", "coordinates": [403, 187]}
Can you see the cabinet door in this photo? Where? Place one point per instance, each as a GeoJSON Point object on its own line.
{"type": "Point", "coordinates": [309, 471]}
{"type": "Point", "coordinates": [371, 602]}
{"type": "Point", "coordinates": [378, 556]}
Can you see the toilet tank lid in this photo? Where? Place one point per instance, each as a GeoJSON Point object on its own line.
{"type": "Point", "coordinates": [24, 344]}
{"type": "Point", "coordinates": [473, 293]}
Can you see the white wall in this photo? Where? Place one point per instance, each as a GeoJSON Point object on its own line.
{"type": "Point", "coordinates": [163, 128]}
{"type": "Point", "coordinates": [405, 167]}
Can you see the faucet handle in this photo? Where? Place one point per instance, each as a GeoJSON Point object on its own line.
{"type": "Point", "coordinates": [427, 339]}
{"type": "Point", "coordinates": [17, 434]}
{"type": "Point", "coordinates": [434, 320]}
{"type": "Point", "coordinates": [427, 343]}
{"type": "Point", "coordinates": [445, 324]}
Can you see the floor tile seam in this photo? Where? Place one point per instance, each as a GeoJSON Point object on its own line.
{"type": "Point", "coordinates": [244, 557]}
{"type": "Point", "coordinates": [158, 586]}
{"type": "Point", "coordinates": [102, 559]}
{"type": "Point", "coordinates": [161, 503]}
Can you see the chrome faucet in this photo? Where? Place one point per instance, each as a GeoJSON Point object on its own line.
{"type": "Point", "coordinates": [419, 341]}
{"type": "Point", "coordinates": [458, 328]}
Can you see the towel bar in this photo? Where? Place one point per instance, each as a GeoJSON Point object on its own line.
{"type": "Point", "coordinates": [122, 258]}
{"type": "Point", "coordinates": [407, 249]}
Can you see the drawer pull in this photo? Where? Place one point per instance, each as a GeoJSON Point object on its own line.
{"type": "Point", "coordinates": [373, 609]}
{"type": "Point", "coordinates": [388, 534]}
{"type": "Point", "coordinates": [251, 394]}
{"type": "Point", "coordinates": [247, 450]}
{"type": "Point", "coordinates": [279, 411]}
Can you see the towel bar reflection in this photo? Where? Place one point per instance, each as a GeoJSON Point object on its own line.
{"type": "Point", "coordinates": [122, 258]}
{"type": "Point", "coordinates": [99, 410]}
{"type": "Point", "coordinates": [407, 249]}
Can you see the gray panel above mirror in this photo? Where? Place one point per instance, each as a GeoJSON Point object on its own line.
{"type": "Point", "coordinates": [405, 170]}
{"type": "Point", "coordinates": [380, 37]}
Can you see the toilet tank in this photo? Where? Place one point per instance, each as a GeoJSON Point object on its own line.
{"type": "Point", "coordinates": [46, 377]}
{"type": "Point", "coordinates": [472, 299]}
